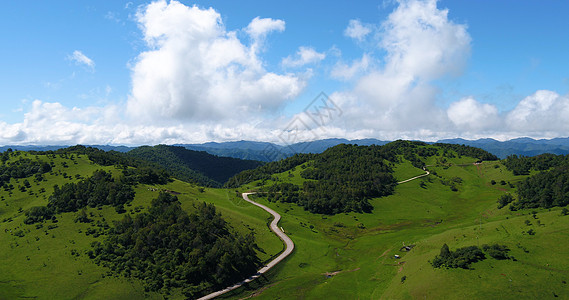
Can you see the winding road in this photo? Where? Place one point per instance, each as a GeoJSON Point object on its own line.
{"type": "Point", "coordinates": [288, 250]}
{"type": "Point", "coordinates": [279, 232]}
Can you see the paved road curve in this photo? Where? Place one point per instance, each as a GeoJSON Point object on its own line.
{"type": "Point", "coordinates": [288, 243]}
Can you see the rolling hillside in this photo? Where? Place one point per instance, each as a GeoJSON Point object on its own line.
{"type": "Point", "coordinates": [363, 255]}
{"type": "Point", "coordinates": [378, 243]}
{"type": "Point", "coordinates": [67, 219]}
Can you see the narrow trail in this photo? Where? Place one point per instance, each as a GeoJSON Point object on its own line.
{"type": "Point", "coordinates": [416, 177]}
{"type": "Point", "coordinates": [274, 227]}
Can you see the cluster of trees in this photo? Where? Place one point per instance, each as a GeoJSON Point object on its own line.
{"type": "Point", "coordinates": [145, 175]}
{"type": "Point", "coordinates": [95, 191]}
{"type": "Point", "coordinates": [98, 190]}
{"type": "Point", "coordinates": [37, 214]}
{"type": "Point", "coordinates": [169, 248]}
{"type": "Point", "coordinates": [110, 158]}
{"type": "Point", "coordinates": [505, 200]}
{"type": "Point", "coordinates": [460, 258]}
{"type": "Point", "coordinates": [412, 151]}
{"type": "Point", "coordinates": [545, 189]}
{"type": "Point", "coordinates": [194, 166]}
{"type": "Point", "coordinates": [469, 151]}
{"type": "Point", "coordinates": [22, 168]}
{"type": "Point", "coordinates": [497, 251]}
{"type": "Point", "coordinates": [522, 165]}
{"type": "Point", "coordinates": [465, 256]}
{"type": "Point", "coordinates": [264, 172]}
{"type": "Point", "coordinates": [344, 177]}
{"type": "Point", "coordinates": [416, 152]}
{"type": "Point", "coordinates": [283, 192]}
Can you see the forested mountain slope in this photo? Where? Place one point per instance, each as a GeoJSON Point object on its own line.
{"type": "Point", "coordinates": [194, 166]}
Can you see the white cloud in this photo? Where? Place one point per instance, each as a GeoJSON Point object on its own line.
{"type": "Point", "coordinates": [356, 30]}
{"type": "Point", "coordinates": [304, 56]}
{"type": "Point", "coordinates": [81, 59]}
{"type": "Point", "coordinates": [259, 27]}
{"type": "Point", "coordinates": [544, 111]}
{"type": "Point", "coordinates": [421, 45]}
{"type": "Point", "coordinates": [422, 42]}
{"type": "Point", "coordinates": [196, 70]}
{"type": "Point", "coordinates": [343, 71]}
{"type": "Point", "coordinates": [470, 114]}
{"type": "Point", "coordinates": [198, 82]}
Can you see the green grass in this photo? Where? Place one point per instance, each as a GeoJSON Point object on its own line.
{"type": "Point", "coordinates": [41, 262]}
{"type": "Point", "coordinates": [356, 251]}
{"type": "Point", "coordinates": [426, 217]}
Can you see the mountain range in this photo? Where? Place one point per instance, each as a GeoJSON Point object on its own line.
{"type": "Point", "coordinates": [265, 151]}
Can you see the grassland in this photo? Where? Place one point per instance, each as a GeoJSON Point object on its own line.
{"type": "Point", "coordinates": [345, 256]}
{"type": "Point", "coordinates": [349, 256]}
{"type": "Point", "coordinates": [48, 261]}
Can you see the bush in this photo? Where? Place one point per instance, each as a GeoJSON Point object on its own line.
{"type": "Point", "coordinates": [38, 214]}
{"type": "Point", "coordinates": [505, 200]}
{"type": "Point", "coordinates": [497, 251]}
{"type": "Point", "coordinates": [460, 258]}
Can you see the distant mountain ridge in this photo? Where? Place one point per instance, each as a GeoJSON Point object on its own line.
{"type": "Point", "coordinates": [265, 151]}
{"type": "Point", "coordinates": [519, 146]}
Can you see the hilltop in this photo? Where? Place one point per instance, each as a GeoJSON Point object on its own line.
{"type": "Point", "coordinates": [389, 251]}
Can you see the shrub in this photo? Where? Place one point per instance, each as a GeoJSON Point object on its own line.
{"type": "Point", "coordinates": [497, 251]}
{"type": "Point", "coordinates": [460, 258]}
{"type": "Point", "coordinates": [38, 214]}
{"type": "Point", "coordinates": [505, 200]}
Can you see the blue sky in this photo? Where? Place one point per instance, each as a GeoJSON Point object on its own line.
{"type": "Point", "coordinates": [142, 72]}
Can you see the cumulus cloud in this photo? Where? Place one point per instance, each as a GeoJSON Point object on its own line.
{"type": "Point", "coordinates": [356, 30]}
{"type": "Point", "coordinates": [472, 115]}
{"type": "Point", "coordinates": [544, 111]}
{"type": "Point", "coordinates": [198, 82]}
{"type": "Point", "coordinates": [421, 45]}
{"type": "Point", "coordinates": [81, 59]}
{"type": "Point", "coordinates": [304, 56]}
{"type": "Point", "coordinates": [259, 27]}
{"type": "Point", "coordinates": [196, 70]}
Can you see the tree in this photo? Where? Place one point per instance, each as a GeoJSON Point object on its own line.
{"type": "Point", "coordinates": [505, 200]}
{"type": "Point", "coordinates": [82, 216]}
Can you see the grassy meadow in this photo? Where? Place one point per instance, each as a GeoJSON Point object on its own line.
{"type": "Point", "coordinates": [352, 256]}
{"type": "Point", "coordinates": [345, 256]}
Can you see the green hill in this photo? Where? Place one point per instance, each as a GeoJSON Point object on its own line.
{"type": "Point", "coordinates": [392, 249]}
{"type": "Point", "coordinates": [118, 229]}
{"type": "Point", "coordinates": [354, 255]}
{"type": "Point", "coordinates": [194, 166]}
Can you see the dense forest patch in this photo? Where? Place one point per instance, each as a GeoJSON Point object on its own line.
{"type": "Point", "coordinates": [345, 177]}
{"type": "Point", "coordinates": [168, 248]}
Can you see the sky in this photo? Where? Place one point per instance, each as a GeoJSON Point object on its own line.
{"type": "Point", "coordinates": [151, 72]}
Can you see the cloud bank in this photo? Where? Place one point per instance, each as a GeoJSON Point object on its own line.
{"type": "Point", "coordinates": [198, 81]}
{"type": "Point", "coordinates": [197, 71]}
